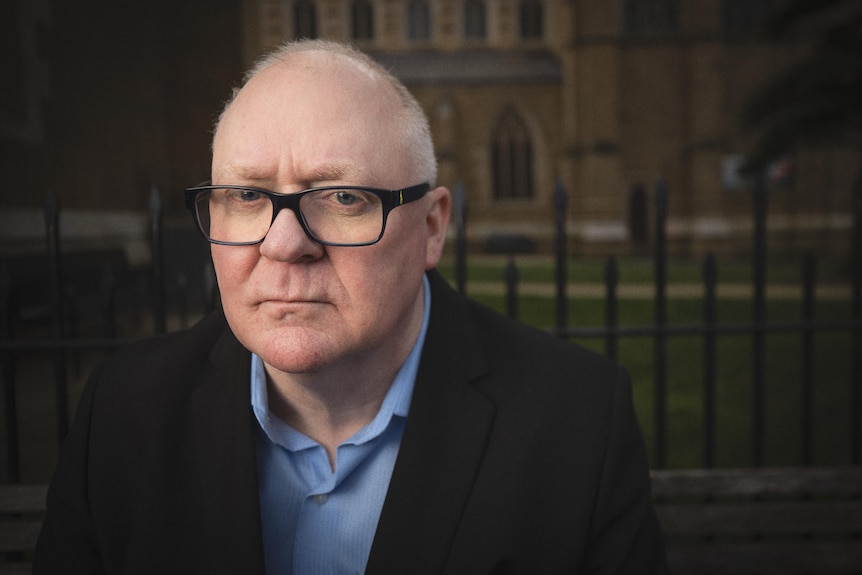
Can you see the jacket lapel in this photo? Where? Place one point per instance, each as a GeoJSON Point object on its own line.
{"type": "Point", "coordinates": [225, 449]}
{"type": "Point", "coordinates": [443, 444]}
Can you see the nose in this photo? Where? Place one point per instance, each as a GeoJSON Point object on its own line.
{"type": "Point", "coordinates": [286, 240]}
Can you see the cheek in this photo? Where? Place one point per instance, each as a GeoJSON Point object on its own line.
{"type": "Point", "coordinates": [396, 264]}
{"type": "Point", "coordinates": [232, 265]}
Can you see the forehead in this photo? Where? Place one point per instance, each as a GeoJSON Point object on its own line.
{"type": "Point", "coordinates": [314, 111]}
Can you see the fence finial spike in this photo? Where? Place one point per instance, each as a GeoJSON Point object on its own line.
{"type": "Point", "coordinates": [459, 202]}
{"type": "Point", "coordinates": [661, 193]}
{"type": "Point", "coordinates": [155, 200]}
{"type": "Point", "coordinates": [857, 191]}
{"type": "Point", "coordinates": [560, 195]}
{"type": "Point", "coordinates": [52, 208]}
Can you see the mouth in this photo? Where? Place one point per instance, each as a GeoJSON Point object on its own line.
{"type": "Point", "coordinates": [291, 303]}
{"type": "Point", "coordinates": [291, 310]}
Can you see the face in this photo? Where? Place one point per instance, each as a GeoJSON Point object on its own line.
{"type": "Point", "coordinates": [303, 307]}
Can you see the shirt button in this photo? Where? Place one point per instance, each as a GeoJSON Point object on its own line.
{"type": "Point", "coordinates": [321, 498]}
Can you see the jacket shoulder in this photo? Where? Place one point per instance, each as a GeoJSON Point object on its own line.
{"type": "Point", "coordinates": [161, 368]}
{"type": "Point", "coordinates": [517, 360]}
{"type": "Point", "coordinates": [184, 346]}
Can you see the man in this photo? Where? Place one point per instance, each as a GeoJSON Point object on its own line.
{"type": "Point", "coordinates": [347, 412]}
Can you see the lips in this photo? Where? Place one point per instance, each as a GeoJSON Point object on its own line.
{"type": "Point", "coordinates": [275, 296]}
{"type": "Point", "coordinates": [288, 303]}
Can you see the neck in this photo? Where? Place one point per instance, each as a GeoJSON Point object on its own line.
{"type": "Point", "coordinates": [331, 405]}
{"type": "Point", "coordinates": [330, 413]}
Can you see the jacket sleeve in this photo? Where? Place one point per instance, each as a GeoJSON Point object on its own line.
{"type": "Point", "coordinates": [625, 536]}
{"type": "Point", "coordinates": [67, 541]}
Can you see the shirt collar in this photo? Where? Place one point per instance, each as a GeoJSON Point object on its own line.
{"type": "Point", "coordinates": [396, 402]}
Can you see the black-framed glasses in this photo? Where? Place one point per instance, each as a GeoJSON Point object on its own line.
{"type": "Point", "coordinates": [330, 215]}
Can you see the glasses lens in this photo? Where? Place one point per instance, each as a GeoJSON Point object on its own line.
{"type": "Point", "coordinates": [343, 216]}
{"type": "Point", "coordinates": [234, 216]}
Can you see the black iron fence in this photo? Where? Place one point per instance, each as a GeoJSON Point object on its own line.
{"type": "Point", "coordinates": [60, 304]}
{"type": "Point", "coordinates": [709, 329]}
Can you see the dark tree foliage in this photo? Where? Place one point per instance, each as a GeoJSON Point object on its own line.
{"type": "Point", "coordinates": [817, 101]}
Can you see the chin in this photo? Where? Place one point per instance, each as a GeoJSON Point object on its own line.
{"type": "Point", "coordinates": [296, 353]}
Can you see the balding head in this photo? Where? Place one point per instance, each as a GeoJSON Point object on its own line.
{"type": "Point", "coordinates": [410, 121]}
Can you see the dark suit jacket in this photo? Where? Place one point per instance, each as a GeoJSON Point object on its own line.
{"type": "Point", "coordinates": [521, 454]}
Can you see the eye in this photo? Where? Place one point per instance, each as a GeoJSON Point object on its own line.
{"type": "Point", "coordinates": [346, 198]}
{"type": "Point", "coordinates": [249, 195]}
{"type": "Point", "coordinates": [238, 199]}
{"type": "Point", "coordinates": [340, 202]}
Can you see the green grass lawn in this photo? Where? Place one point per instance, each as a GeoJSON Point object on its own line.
{"type": "Point", "coordinates": [641, 270]}
{"type": "Point", "coordinates": [783, 440]}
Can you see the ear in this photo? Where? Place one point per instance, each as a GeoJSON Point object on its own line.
{"type": "Point", "coordinates": [437, 221]}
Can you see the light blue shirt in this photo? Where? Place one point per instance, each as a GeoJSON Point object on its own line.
{"type": "Point", "coordinates": [314, 520]}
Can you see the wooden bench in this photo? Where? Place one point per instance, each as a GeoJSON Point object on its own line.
{"type": "Point", "coordinates": [782, 521]}
{"type": "Point", "coordinates": [21, 510]}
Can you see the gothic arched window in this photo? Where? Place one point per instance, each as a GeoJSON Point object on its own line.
{"type": "Point", "coordinates": [532, 17]}
{"type": "Point", "coordinates": [474, 19]}
{"type": "Point", "coordinates": [304, 19]}
{"type": "Point", "coordinates": [650, 17]}
{"type": "Point", "coordinates": [512, 158]}
{"type": "Point", "coordinates": [418, 20]}
{"type": "Point", "coordinates": [745, 18]}
{"type": "Point", "coordinates": [362, 15]}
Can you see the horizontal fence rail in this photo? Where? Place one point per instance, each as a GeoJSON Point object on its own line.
{"type": "Point", "coordinates": [145, 297]}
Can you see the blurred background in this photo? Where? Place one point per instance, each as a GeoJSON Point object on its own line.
{"type": "Point", "coordinates": [106, 100]}
{"type": "Point", "coordinates": [652, 131]}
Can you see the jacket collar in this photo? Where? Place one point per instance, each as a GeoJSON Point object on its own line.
{"type": "Point", "coordinates": [443, 444]}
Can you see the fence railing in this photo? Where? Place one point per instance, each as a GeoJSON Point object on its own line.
{"type": "Point", "coordinates": [708, 328]}
{"type": "Point", "coordinates": [43, 293]}
{"type": "Point", "coordinates": [61, 340]}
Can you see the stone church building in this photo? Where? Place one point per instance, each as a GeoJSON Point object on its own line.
{"type": "Point", "coordinates": [602, 97]}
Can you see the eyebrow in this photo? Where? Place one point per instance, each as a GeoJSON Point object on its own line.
{"type": "Point", "coordinates": [243, 172]}
{"type": "Point", "coordinates": [335, 172]}
{"type": "Point", "coordinates": [342, 171]}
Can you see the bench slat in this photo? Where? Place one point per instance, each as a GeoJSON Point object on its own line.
{"type": "Point", "coordinates": [845, 481]}
{"type": "Point", "coordinates": [19, 534]}
{"type": "Point", "coordinates": [16, 568]}
{"type": "Point", "coordinates": [22, 498]}
{"type": "Point", "coordinates": [802, 517]}
{"type": "Point", "coordinates": [766, 558]}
